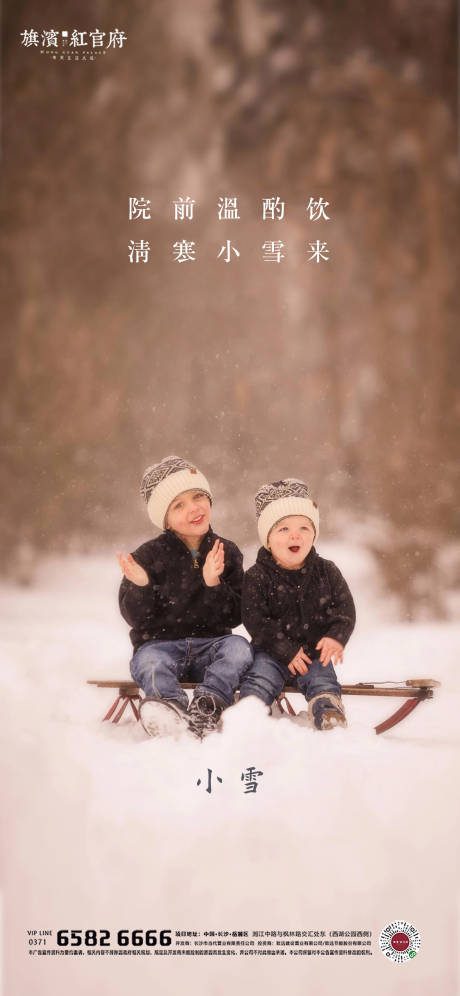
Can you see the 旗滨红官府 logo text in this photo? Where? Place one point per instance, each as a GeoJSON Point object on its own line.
{"type": "Point", "coordinates": [73, 45]}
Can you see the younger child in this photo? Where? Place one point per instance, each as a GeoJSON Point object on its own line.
{"type": "Point", "coordinates": [181, 594]}
{"type": "Point", "coordinates": [296, 606]}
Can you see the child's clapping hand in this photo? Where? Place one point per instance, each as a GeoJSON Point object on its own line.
{"type": "Point", "coordinates": [214, 565]}
{"type": "Point", "coordinates": [331, 650]}
{"type": "Point", "coordinates": [132, 570]}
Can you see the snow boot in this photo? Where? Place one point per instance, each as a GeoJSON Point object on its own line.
{"type": "Point", "coordinates": [162, 717]}
{"type": "Point", "coordinates": [327, 711]}
{"type": "Point", "coordinates": [204, 713]}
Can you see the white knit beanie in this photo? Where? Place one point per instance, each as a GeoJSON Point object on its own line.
{"type": "Point", "coordinates": [164, 481]}
{"type": "Point", "coordinates": [282, 498]}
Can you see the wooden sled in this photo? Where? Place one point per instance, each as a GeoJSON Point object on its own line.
{"type": "Point", "coordinates": [414, 691]}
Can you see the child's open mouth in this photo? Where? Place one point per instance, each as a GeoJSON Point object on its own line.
{"type": "Point", "coordinates": [294, 549]}
{"type": "Point", "coordinates": [198, 520]}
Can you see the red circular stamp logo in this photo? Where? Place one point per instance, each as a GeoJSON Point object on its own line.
{"type": "Point", "coordinates": [400, 942]}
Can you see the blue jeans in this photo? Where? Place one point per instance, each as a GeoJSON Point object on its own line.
{"type": "Point", "coordinates": [218, 664]}
{"type": "Point", "coordinates": [267, 678]}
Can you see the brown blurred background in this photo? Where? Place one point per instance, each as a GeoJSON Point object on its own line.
{"type": "Point", "coordinates": [342, 373]}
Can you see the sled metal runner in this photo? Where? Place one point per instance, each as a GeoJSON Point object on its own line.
{"type": "Point", "coordinates": [414, 691]}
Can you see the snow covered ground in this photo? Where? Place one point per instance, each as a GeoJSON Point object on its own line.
{"type": "Point", "coordinates": [107, 829]}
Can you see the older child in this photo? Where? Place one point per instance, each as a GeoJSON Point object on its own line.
{"type": "Point", "coordinates": [296, 606]}
{"type": "Point", "coordinates": [181, 595]}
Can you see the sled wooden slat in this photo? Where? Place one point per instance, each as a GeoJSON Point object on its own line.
{"type": "Point", "coordinates": [417, 692]}
{"type": "Point", "coordinates": [414, 690]}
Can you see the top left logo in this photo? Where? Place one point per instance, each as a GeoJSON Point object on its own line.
{"type": "Point", "coordinates": [73, 46]}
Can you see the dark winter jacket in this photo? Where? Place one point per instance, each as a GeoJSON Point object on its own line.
{"type": "Point", "coordinates": [177, 602]}
{"type": "Point", "coordinates": [284, 610]}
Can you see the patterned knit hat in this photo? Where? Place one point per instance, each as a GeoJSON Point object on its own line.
{"type": "Point", "coordinates": [282, 498]}
{"type": "Point", "coordinates": [164, 481]}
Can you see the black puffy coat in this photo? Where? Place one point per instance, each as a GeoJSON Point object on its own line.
{"type": "Point", "coordinates": [177, 603]}
{"type": "Point", "coordinates": [284, 610]}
